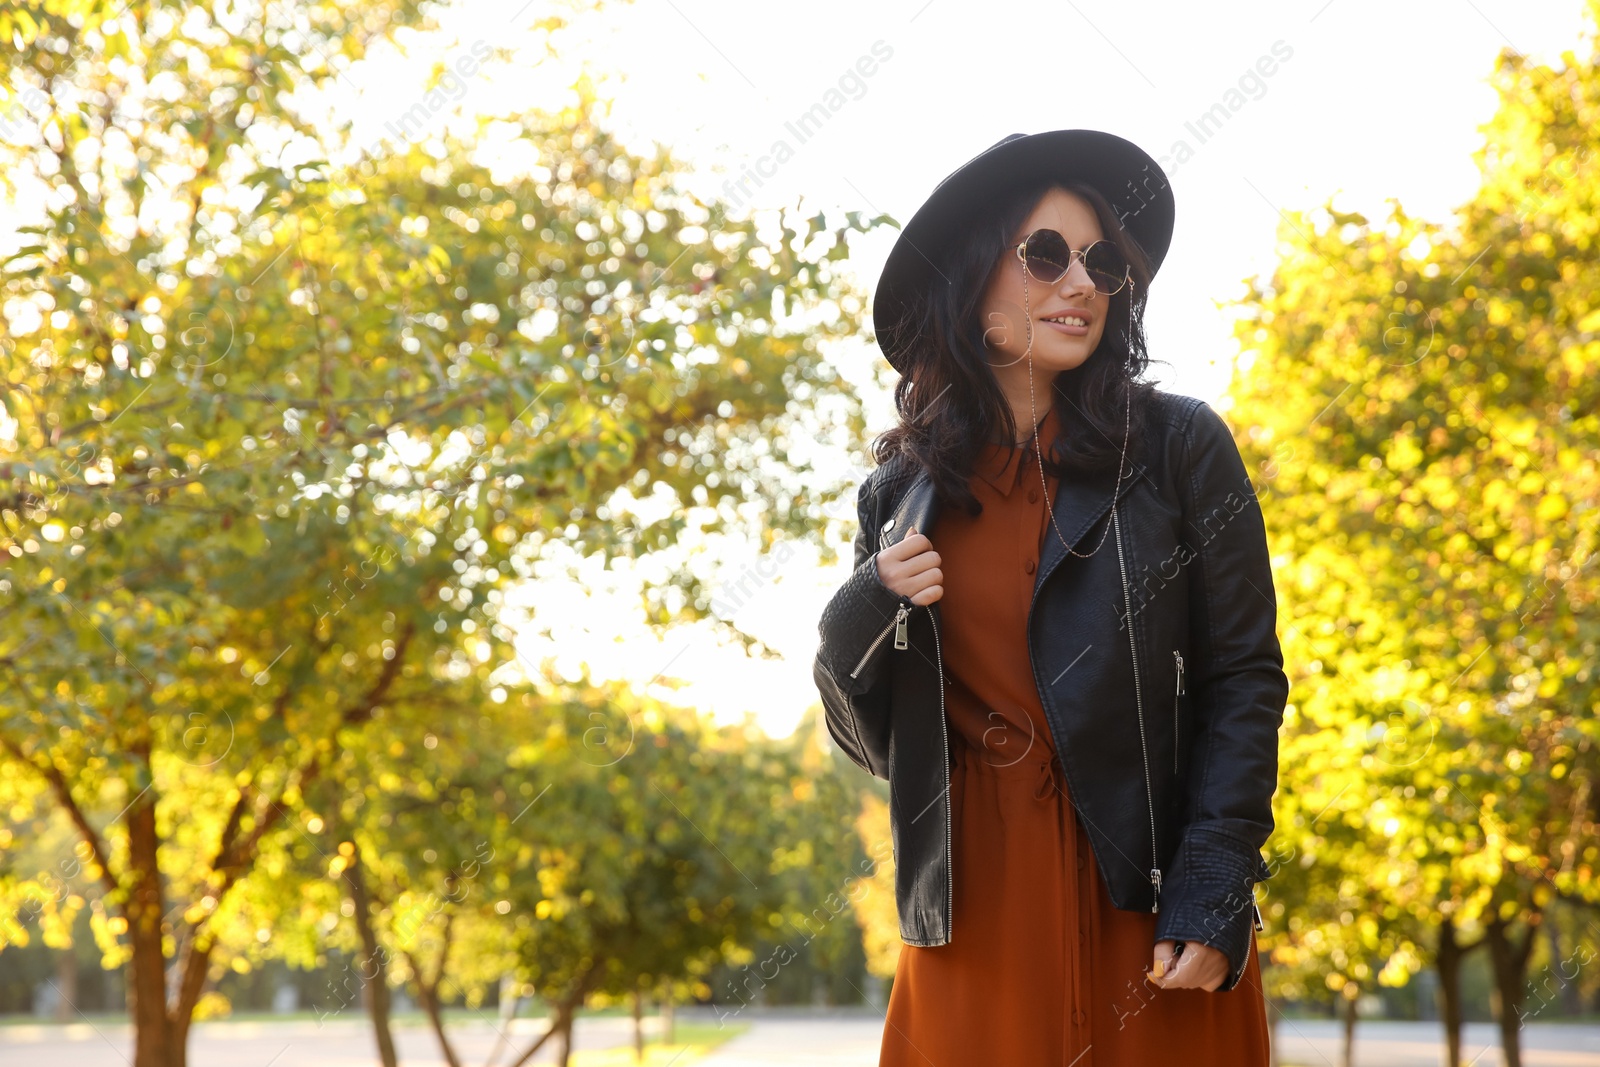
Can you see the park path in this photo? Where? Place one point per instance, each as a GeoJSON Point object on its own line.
{"type": "Point", "coordinates": [270, 1043]}
{"type": "Point", "coordinates": [850, 1039]}
{"type": "Point", "coordinates": [843, 1037]}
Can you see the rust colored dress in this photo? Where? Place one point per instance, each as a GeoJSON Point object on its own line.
{"type": "Point", "coordinates": [1041, 968]}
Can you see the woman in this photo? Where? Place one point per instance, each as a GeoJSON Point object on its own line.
{"type": "Point", "coordinates": [1014, 298]}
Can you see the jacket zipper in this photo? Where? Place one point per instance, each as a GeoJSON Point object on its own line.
{"type": "Point", "coordinates": [1260, 926]}
{"type": "Point", "coordinates": [1248, 941]}
{"type": "Point", "coordinates": [1179, 657]}
{"type": "Point", "coordinates": [1138, 696]}
{"type": "Point", "coordinates": [898, 625]}
{"type": "Point", "coordinates": [949, 848]}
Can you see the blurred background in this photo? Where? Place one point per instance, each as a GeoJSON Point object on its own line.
{"type": "Point", "coordinates": [430, 434]}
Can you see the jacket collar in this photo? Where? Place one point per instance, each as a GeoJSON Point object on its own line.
{"type": "Point", "coordinates": [1079, 504]}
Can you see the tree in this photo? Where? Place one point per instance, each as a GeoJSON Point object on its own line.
{"type": "Point", "coordinates": [1429, 401]}
{"type": "Point", "coordinates": [658, 849]}
{"type": "Point", "coordinates": [386, 386]}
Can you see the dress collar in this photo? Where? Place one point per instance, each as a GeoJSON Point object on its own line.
{"type": "Point", "coordinates": [1003, 466]}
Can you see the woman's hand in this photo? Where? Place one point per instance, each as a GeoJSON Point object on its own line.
{"type": "Point", "coordinates": [1200, 967]}
{"type": "Point", "coordinates": [910, 568]}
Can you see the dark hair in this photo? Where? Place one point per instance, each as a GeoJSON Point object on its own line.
{"type": "Point", "coordinates": [949, 400]}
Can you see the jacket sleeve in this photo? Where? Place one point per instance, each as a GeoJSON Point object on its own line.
{"type": "Point", "coordinates": [860, 613]}
{"type": "Point", "coordinates": [1239, 690]}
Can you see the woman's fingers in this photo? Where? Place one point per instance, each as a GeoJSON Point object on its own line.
{"type": "Point", "coordinates": [1198, 966]}
{"type": "Point", "coordinates": [912, 544]}
{"type": "Point", "coordinates": [1161, 962]}
{"type": "Point", "coordinates": [922, 564]}
{"type": "Point", "coordinates": [910, 567]}
{"type": "Point", "coordinates": [924, 587]}
{"type": "Point", "coordinates": [927, 584]}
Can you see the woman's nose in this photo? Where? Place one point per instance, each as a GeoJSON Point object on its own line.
{"type": "Point", "coordinates": [1076, 282]}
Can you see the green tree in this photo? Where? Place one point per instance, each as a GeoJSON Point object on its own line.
{"type": "Point", "coordinates": [812, 951]}
{"type": "Point", "coordinates": [266, 465]}
{"type": "Point", "coordinates": [661, 845]}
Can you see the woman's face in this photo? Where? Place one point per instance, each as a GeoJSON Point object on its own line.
{"type": "Point", "coordinates": [1057, 345]}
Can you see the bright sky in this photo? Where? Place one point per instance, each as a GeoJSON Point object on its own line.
{"type": "Point", "coordinates": [1366, 101]}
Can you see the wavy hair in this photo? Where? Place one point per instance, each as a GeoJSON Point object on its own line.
{"type": "Point", "coordinates": [949, 399]}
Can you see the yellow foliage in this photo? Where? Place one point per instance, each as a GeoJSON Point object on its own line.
{"type": "Point", "coordinates": [873, 896]}
{"type": "Point", "coordinates": [212, 1005]}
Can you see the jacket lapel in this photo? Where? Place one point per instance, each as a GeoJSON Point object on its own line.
{"type": "Point", "coordinates": [917, 507]}
{"type": "Point", "coordinates": [1080, 504]}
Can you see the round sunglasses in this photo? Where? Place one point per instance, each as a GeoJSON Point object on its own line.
{"type": "Point", "coordinates": [1046, 256]}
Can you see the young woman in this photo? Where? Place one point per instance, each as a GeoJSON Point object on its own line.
{"type": "Point", "coordinates": [1078, 711]}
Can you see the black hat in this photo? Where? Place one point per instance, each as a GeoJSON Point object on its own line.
{"type": "Point", "coordinates": [1122, 171]}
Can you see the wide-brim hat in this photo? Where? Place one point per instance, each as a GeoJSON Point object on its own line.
{"type": "Point", "coordinates": [1124, 173]}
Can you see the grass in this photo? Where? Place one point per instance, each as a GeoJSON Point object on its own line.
{"type": "Point", "coordinates": [692, 1041]}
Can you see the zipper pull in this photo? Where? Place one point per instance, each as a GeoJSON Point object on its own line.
{"type": "Point", "coordinates": [1155, 880]}
{"type": "Point", "coordinates": [1179, 657]}
{"type": "Point", "coordinates": [1260, 926]}
{"type": "Point", "coordinates": [900, 628]}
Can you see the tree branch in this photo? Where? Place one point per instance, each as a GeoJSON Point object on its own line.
{"type": "Point", "coordinates": [565, 1007]}
{"type": "Point", "coordinates": [428, 990]}
{"type": "Point", "coordinates": [63, 794]}
{"type": "Point", "coordinates": [361, 711]}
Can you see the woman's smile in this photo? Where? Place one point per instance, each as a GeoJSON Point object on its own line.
{"type": "Point", "coordinates": [1072, 323]}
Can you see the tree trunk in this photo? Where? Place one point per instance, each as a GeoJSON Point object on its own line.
{"type": "Point", "coordinates": [550, 1031]}
{"type": "Point", "coordinates": [667, 1033]}
{"type": "Point", "coordinates": [428, 989]}
{"type": "Point", "coordinates": [1560, 965]}
{"type": "Point", "coordinates": [191, 971]}
{"type": "Point", "coordinates": [1347, 1055]}
{"type": "Point", "coordinates": [1510, 959]}
{"type": "Point", "coordinates": [638, 1026]}
{"type": "Point", "coordinates": [428, 994]}
{"type": "Point", "coordinates": [1448, 964]}
{"type": "Point", "coordinates": [565, 1057]}
{"type": "Point", "coordinates": [147, 971]}
{"type": "Point", "coordinates": [565, 1010]}
{"type": "Point", "coordinates": [66, 984]}
{"type": "Point", "coordinates": [1272, 1035]}
{"type": "Point", "coordinates": [374, 966]}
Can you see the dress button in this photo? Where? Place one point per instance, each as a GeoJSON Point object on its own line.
{"type": "Point", "coordinates": [1033, 496]}
{"type": "Point", "coordinates": [1080, 863]}
{"type": "Point", "coordinates": [1079, 1017]}
{"type": "Point", "coordinates": [1028, 566]}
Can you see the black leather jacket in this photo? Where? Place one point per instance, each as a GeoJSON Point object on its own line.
{"type": "Point", "coordinates": [1167, 732]}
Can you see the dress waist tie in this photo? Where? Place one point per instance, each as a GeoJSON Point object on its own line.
{"type": "Point", "coordinates": [1046, 783]}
